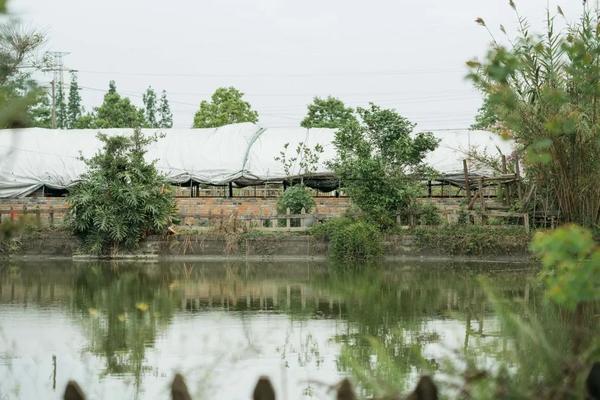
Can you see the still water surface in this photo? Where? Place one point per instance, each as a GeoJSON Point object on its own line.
{"type": "Point", "coordinates": [123, 330]}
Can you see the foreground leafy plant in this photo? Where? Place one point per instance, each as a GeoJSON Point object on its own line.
{"type": "Point", "coordinates": [121, 198]}
{"type": "Point", "coordinates": [350, 240]}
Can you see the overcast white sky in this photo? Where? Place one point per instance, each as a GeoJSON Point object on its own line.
{"type": "Point", "coordinates": [408, 55]}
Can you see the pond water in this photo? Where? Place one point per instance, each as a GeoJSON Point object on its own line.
{"type": "Point", "coordinates": [123, 330]}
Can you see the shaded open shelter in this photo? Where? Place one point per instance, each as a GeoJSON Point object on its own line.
{"type": "Point", "coordinates": [240, 155]}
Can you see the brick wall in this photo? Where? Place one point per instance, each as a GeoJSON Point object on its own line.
{"type": "Point", "coordinates": [202, 206]}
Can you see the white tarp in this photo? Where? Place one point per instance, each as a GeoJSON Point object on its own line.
{"type": "Point", "coordinates": [32, 158]}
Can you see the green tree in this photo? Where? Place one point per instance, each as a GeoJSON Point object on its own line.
{"type": "Point", "coordinates": [543, 92]}
{"type": "Point", "coordinates": [328, 113]}
{"type": "Point", "coordinates": [226, 107]}
{"type": "Point", "coordinates": [121, 198]}
{"type": "Point", "coordinates": [41, 111]}
{"type": "Point", "coordinates": [115, 112]}
{"type": "Point", "coordinates": [165, 116]}
{"type": "Point", "coordinates": [74, 108]}
{"type": "Point", "coordinates": [61, 108]}
{"type": "Point", "coordinates": [19, 93]}
{"type": "Point", "coordinates": [379, 162]}
{"type": "Point", "coordinates": [150, 108]}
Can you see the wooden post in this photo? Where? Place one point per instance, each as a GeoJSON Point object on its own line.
{"type": "Point", "coordinates": [12, 214]}
{"type": "Point", "coordinates": [429, 188]}
{"type": "Point", "coordinates": [263, 390]}
{"type": "Point", "coordinates": [38, 216]}
{"type": "Point", "coordinates": [467, 186]}
{"type": "Point", "coordinates": [287, 219]}
{"type": "Point", "coordinates": [51, 216]}
{"type": "Point", "coordinates": [526, 222]}
{"type": "Point", "coordinates": [73, 392]}
{"type": "Point", "coordinates": [345, 391]}
{"type": "Point", "coordinates": [518, 176]}
{"type": "Point", "coordinates": [481, 196]}
{"type": "Point", "coordinates": [230, 189]}
{"type": "Point", "coordinates": [179, 390]}
{"type": "Point", "coordinates": [302, 220]}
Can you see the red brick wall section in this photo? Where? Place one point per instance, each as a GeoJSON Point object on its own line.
{"type": "Point", "coordinates": [202, 206]}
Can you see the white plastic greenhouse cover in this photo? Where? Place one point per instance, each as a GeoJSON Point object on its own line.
{"type": "Point", "coordinates": [32, 158]}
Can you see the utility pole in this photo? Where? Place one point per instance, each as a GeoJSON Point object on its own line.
{"type": "Point", "coordinates": [58, 69]}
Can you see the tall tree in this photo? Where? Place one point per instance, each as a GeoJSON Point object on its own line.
{"type": "Point", "coordinates": [61, 108]}
{"type": "Point", "coordinates": [19, 93]}
{"type": "Point", "coordinates": [150, 108]}
{"type": "Point", "coordinates": [115, 112]}
{"type": "Point", "coordinates": [226, 107]}
{"type": "Point", "coordinates": [165, 116]}
{"type": "Point", "coordinates": [543, 92]}
{"type": "Point", "coordinates": [328, 113]}
{"type": "Point", "coordinates": [74, 108]}
{"type": "Point", "coordinates": [41, 111]}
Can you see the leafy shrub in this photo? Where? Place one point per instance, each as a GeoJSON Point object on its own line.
{"type": "Point", "coordinates": [121, 198]}
{"type": "Point", "coordinates": [349, 240]}
{"type": "Point", "coordinates": [295, 198]}
{"type": "Point", "coordinates": [473, 240]}
{"type": "Point", "coordinates": [429, 214]}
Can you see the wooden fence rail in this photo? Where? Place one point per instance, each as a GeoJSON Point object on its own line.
{"type": "Point", "coordinates": [425, 390]}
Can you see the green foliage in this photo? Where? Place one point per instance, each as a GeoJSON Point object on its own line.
{"type": "Point", "coordinates": [226, 107]}
{"type": "Point", "coordinates": [543, 92]}
{"type": "Point", "coordinates": [61, 108]}
{"type": "Point", "coordinates": [295, 199]}
{"type": "Point", "coordinates": [306, 158]}
{"type": "Point", "coordinates": [379, 162]}
{"type": "Point", "coordinates": [150, 108]}
{"type": "Point", "coordinates": [165, 116]}
{"type": "Point", "coordinates": [21, 98]}
{"type": "Point", "coordinates": [350, 240]}
{"type": "Point", "coordinates": [429, 214]}
{"type": "Point", "coordinates": [74, 107]}
{"type": "Point", "coordinates": [571, 265]}
{"type": "Point", "coordinates": [115, 112]}
{"type": "Point", "coordinates": [328, 113]}
{"type": "Point", "coordinates": [472, 240]}
{"type": "Point", "coordinates": [121, 198]}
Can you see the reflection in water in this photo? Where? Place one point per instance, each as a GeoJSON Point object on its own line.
{"type": "Point", "coordinates": [382, 325]}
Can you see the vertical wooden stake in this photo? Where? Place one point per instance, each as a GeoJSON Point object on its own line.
{"type": "Point", "coordinates": [287, 219]}
{"type": "Point", "coordinates": [263, 390]}
{"type": "Point", "coordinates": [179, 390]}
{"type": "Point", "coordinates": [467, 186]}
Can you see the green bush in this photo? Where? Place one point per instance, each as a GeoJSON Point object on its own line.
{"type": "Point", "coordinates": [429, 214]}
{"type": "Point", "coordinates": [121, 198]}
{"type": "Point", "coordinates": [295, 198]}
{"type": "Point", "coordinates": [473, 240]}
{"type": "Point", "coordinates": [349, 240]}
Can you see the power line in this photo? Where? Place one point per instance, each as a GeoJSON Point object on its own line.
{"type": "Point", "coordinates": [275, 75]}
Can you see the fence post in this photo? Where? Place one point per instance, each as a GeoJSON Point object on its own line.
{"type": "Point", "coordinates": [73, 392]}
{"type": "Point", "coordinates": [345, 391]}
{"type": "Point", "coordinates": [51, 216]}
{"type": "Point", "coordinates": [287, 219]}
{"type": "Point", "coordinates": [263, 390]}
{"type": "Point", "coordinates": [38, 216]}
{"type": "Point", "coordinates": [179, 390]}
{"type": "Point", "coordinates": [481, 196]}
{"type": "Point", "coordinates": [467, 186]}
{"type": "Point", "coordinates": [526, 222]}
{"type": "Point", "coordinates": [302, 220]}
{"type": "Point", "coordinates": [12, 214]}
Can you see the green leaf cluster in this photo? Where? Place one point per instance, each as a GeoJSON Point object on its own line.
{"type": "Point", "coordinates": [571, 265]}
{"type": "Point", "coordinates": [295, 199]}
{"type": "Point", "coordinates": [350, 240]}
{"type": "Point", "coordinates": [543, 91]}
{"type": "Point", "coordinates": [327, 113]}
{"type": "Point", "coordinates": [379, 162]}
{"type": "Point", "coordinates": [121, 198]}
{"type": "Point", "coordinates": [226, 107]}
